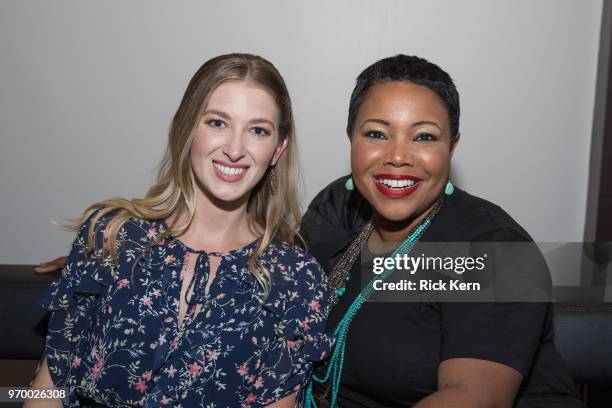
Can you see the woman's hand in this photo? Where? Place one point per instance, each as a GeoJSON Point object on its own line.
{"type": "Point", "coordinates": [43, 380]}
{"type": "Point", "coordinates": [51, 266]}
{"type": "Point", "coordinates": [473, 383]}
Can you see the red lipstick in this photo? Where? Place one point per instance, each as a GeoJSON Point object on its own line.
{"type": "Point", "coordinates": [396, 192]}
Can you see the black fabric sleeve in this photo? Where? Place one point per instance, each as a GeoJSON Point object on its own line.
{"type": "Point", "coordinates": [334, 213]}
{"type": "Point", "coordinates": [505, 332]}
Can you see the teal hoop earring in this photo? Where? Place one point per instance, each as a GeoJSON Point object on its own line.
{"type": "Point", "coordinates": [449, 188]}
{"type": "Point", "coordinates": [349, 185]}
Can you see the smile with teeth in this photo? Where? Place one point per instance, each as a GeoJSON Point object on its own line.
{"type": "Point", "coordinates": [230, 171]}
{"type": "Point", "coordinates": [396, 184]}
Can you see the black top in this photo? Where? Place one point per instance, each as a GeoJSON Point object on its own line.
{"type": "Point", "coordinates": [393, 349]}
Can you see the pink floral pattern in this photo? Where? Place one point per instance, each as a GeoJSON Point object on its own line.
{"type": "Point", "coordinates": [114, 337]}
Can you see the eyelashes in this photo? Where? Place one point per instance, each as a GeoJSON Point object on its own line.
{"type": "Point", "coordinates": [419, 137]}
{"type": "Point", "coordinates": [258, 131]}
{"type": "Point", "coordinates": [375, 134]}
{"type": "Point", "coordinates": [426, 137]}
{"type": "Point", "coordinates": [216, 123]}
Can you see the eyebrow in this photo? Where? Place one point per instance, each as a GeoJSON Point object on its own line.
{"type": "Point", "coordinates": [226, 116]}
{"type": "Point", "coordinates": [386, 123]}
{"type": "Point", "coordinates": [382, 122]}
{"type": "Point", "coordinates": [262, 120]}
{"type": "Point", "coordinates": [218, 113]}
{"type": "Point", "coordinates": [426, 122]}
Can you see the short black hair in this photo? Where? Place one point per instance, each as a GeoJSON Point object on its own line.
{"type": "Point", "coordinates": [407, 68]}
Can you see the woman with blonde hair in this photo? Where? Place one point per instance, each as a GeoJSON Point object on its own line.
{"type": "Point", "coordinates": [195, 294]}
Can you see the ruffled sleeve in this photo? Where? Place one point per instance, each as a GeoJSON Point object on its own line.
{"type": "Point", "coordinates": [300, 305]}
{"type": "Point", "coordinates": [71, 300]}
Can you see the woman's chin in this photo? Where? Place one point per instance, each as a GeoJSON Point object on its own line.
{"type": "Point", "coordinates": [227, 195]}
{"type": "Point", "coordinates": [399, 216]}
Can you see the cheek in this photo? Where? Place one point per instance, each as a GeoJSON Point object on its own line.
{"type": "Point", "coordinates": [363, 157]}
{"type": "Point", "coordinates": [263, 151]}
{"type": "Point", "coordinates": [436, 162]}
{"type": "Point", "coordinates": [200, 143]}
{"type": "Point", "coordinates": [195, 152]}
{"type": "Point", "coordinates": [204, 143]}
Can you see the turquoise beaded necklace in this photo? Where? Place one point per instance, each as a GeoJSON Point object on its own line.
{"type": "Point", "coordinates": [333, 370]}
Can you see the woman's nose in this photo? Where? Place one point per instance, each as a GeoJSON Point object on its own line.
{"type": "Point", "coordinates": [234, 146]}
{"type": "Point", "coordinates": [399, 153]}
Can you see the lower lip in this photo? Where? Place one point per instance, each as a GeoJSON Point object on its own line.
{"type": "Point", "coordinates": [396, 192]}
{"type": "Point", "coordinates": [226, 177]}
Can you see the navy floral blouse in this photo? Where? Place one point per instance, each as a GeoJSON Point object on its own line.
{"type": "Point", "coordinates": [114, 336]}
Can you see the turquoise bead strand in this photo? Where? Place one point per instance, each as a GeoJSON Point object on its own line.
{"type": "Point", "coordinates": [336, 362]}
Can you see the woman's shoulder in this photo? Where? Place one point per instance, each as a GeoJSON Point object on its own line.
{"type": "Point", "coordinates": [292, 268]}
{"type": "Point", "coordinates": [466, 217]}
{"type": "Point", "coordinates": [132, 233]}
{"type": "Point", "coordinates": [293, 258]}
{"type": "Point", "coordinates": [140, 231]}
{"type": "Point", "coordinates": [335, 213]}
{"type": "Point", "coordinates": [298, 283]}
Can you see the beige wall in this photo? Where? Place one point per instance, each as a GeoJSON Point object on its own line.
{"type": "Point", "coordinates": [87, 90]}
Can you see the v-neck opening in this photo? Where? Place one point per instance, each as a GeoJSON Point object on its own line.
{"type": "Point", "coordinates": [198, 289]}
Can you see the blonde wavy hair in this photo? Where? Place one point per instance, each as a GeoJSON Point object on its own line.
{"type": "Point", "coordinates": [273, 209]}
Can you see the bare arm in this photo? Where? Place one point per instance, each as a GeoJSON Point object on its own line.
{"type": "Point", "coordinates": [43, 380]}
{"type": "Point", "coordinates": [287, 402]}
{"type": "Point", "coordinates": [473, 383]}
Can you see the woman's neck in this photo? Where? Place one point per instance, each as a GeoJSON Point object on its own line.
{"type": "Point", "coordinates": [218, 226]}
{"type": "Point", "coordinates": [388, 231]}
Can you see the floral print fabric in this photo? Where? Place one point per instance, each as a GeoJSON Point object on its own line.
{"type": "Point", "coordinates": [114, 336]}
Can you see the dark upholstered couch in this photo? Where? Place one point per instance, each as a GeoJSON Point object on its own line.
{"type": "Point", "coordinates": [583, 332]}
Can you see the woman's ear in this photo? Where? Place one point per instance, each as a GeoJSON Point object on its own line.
{"type": "Point", "coordinates": [280, 149]}
{"type": "Point", "coordinates": [454, 144]}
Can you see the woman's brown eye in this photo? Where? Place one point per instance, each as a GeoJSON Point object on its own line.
{"type": "Point", "coordinates": [375, 134]}
{"type": "Point", "coordinates": [425, 137]}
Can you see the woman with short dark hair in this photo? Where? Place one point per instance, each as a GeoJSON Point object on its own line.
{"type": "Point", "coordinates": [403, 126]}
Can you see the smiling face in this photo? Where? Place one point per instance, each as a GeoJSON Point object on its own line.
{"type": "Point", "coordinates": [235, 141]}
{"type": "Point", "coordinates": [401, 150]}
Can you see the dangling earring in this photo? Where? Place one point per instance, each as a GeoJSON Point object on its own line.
{"type": "Point", "coordinates": [273, 181]}
{"type": "Point", "coordinates": [349, 185]}
{"type": "Point", "coordinates": [449, 188]}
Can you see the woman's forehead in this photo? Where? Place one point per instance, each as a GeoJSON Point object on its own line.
{"type": "Point", "coordinates": [244, 99]}
{"type": "Point", "coordinates": [392, 101]}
